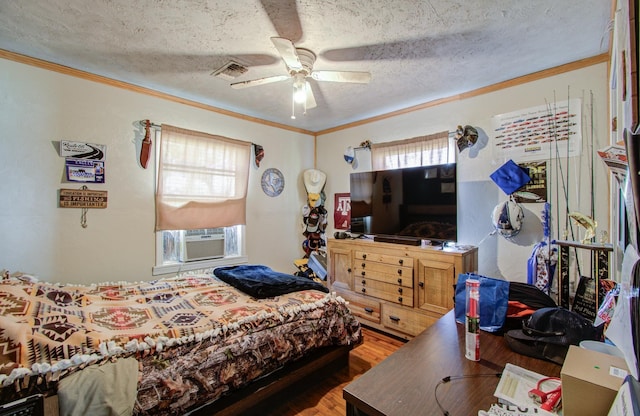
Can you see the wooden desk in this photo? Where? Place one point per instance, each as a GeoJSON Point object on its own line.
{"type": "Point", "coordinates": [404, 383]}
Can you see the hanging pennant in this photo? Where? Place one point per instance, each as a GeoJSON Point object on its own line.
{"type": "Point", "coordinates": [146, 145]}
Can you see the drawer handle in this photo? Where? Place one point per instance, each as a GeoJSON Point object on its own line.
{"type": "Point", "coordinates": [400, 299]}
{"type": "Point", "coordinates": [421, 284]}
{"type": "Point", "coordinates": [363, 273]}
{"type": "Point", "coordinates": [364, 256]}
{"type": "Point", "coordinates": [363, 264]}
{"type": "Point", "coordinates": [400, 290]}
{"type": "Point", "coordinates": [394, 318]}
{"type": "Point", "coordinates": [364, 282]}
{"type": "Point", "coordinates": [401, 262]}
{"type": "Point", "coordinates": [364, 290]}
{"type": "Point", "coordinates": [400, 272]}
{"type": "Point", "coordinates": [368, 310]}
{"type": "Point", "coordinates": [349, 270]}
{"type": "Point", "coordinates": [399, 281]}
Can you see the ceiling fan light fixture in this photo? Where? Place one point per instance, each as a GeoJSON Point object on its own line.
{"type": "Point", "coordinates": [299, 94]}
{"type": "Point", "coordinates": [299, 63]}
{"type": "Point", "coordinates": [300, 89]}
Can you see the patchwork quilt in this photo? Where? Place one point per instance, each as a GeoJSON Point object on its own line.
{"type": "Point", "coordinates": [195, 337]}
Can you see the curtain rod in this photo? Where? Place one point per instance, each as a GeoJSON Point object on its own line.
{"type": "Point", "coordinates": [143, 123]}
{"type": "Point", "coordinates": [451, 134]}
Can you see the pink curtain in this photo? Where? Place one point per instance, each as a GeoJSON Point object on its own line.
{"type": "Point", "coordinates": [202, 180]}
{"type": "Point", "coordinates": [433, 149]}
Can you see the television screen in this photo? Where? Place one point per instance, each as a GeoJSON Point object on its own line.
{"type": "Point", "coordinates": [413, 202]}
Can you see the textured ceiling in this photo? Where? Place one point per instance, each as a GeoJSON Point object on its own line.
{"type": "Point", "coordinates": [416, 51]}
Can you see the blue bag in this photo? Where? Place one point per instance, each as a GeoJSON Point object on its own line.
{"type": "Point", "coordinates": [494, 300]}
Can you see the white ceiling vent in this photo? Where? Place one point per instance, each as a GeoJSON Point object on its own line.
{"type": "Point", "coordinates": [230, 70]}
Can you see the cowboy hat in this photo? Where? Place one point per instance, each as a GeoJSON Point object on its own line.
{"type": "Point", "coordinates": [314, 180]}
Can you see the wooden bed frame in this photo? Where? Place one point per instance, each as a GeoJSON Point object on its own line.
{"type": "Point", "coordinates": [310, 369]}
{"type": "Point", "coordinates": [252, 399]}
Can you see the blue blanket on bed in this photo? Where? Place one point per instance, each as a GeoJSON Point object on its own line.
{"type": "Point", "coordinates": [262, 282]}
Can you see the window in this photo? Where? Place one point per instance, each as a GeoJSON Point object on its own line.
{"type": "Point", "coordinates": [434, 149]}
{"type": "Point", "coordinates": [200, 200]}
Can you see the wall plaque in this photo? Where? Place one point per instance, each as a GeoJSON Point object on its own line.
{"type": "Point", "coordinates": [82, 198]}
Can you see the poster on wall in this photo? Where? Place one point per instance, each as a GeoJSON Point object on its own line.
{"type": "Point", "coordinates": [539, 133]}
{"type": "Point", "coordinates": [342, 212]}
{"type": "Point", "coordinates": [79, 150]}
{"type": "Point", "coordinates": [84, 162]}
{"type": "Point", "coordinates": [83, 170]}
{"type": "Point", "coordinates": [536, 189]}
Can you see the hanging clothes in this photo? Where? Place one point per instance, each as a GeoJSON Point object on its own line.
{"type": "Point", "coordinates": [541, 266]}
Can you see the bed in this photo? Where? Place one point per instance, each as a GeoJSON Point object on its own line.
{"type": "Point", "coordinates": [196, 338]}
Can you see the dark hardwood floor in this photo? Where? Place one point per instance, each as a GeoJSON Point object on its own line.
{"type": "Point", "coordinates": [324, 397]}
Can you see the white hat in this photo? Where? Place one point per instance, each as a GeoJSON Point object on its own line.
{"type": "Point", "coordinates": [349, 155]}
{"type": "Point", "coordinates": [507, 218]}
{"type": "Point", "coordinates": [314, 180]}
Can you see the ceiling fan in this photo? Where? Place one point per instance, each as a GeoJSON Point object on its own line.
{"type": "Point", "coordinates": [299, 62]}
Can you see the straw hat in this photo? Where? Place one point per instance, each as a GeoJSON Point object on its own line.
{"type": "Point", "coordinates": [314, 180]}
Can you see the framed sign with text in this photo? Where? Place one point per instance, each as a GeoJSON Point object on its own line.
{"type": "Point", "coordinates": [342, 211]}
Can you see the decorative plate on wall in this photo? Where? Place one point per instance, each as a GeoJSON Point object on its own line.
{"type": "Point", "coordinates": [272, 182]}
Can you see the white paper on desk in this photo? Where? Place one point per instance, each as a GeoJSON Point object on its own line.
{"type": "Point", "coordinates": [619, 330]}
{"type": "Point", "coordinates": [514, 385]}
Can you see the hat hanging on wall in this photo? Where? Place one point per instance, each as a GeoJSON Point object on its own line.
{"type": "Point", "coordinates": [314, 180]}
{"type": "Point", "coordinates": [467, 137]}
{"type": "Point", "coordinates": [510, 177]}
{"type": "Point", "coordinates": [349, 155]}
{"type": "Point", "coordinates": [507, 218]}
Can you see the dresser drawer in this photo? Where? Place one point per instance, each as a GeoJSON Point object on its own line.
{"type": "Point", "coordinates": [384, 258]}
{"type": "Point", "coordinates": [405, 320]}
{"type": "Point", "coordinates": [384, 272]}
{"type": "Point", "coordinates": [361, 306]}
{"type": "Point", "coordinates": [385, 291]}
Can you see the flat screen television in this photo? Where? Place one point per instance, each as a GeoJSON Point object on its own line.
{"type": "Point", "coordinates": [411, 202]}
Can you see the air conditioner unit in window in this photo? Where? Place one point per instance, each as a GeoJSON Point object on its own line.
{"type": "Point", "coordinates": [203, 244]}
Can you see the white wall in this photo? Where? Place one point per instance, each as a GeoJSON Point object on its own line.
{"type": "Point", "coordinates": [39, 107]}
{"type": "Point", "coordinates": [477, 194]}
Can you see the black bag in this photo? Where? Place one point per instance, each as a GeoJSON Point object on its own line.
{"type": "Point", "coordinates": [549, 332]}
{"type": "Point", "coordinates": [524, 300]}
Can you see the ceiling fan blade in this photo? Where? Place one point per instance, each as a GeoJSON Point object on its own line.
{"type": "Point", "coordinates": [342, 76]}
{"type": "Point", "coordinates": [288, 53]}
{"type": "Point", "coordinates": [284, 18]}
{"type": "Point", "coordinates": [259, 81]}
{"type": "Point", "coordinates": [311, 101]}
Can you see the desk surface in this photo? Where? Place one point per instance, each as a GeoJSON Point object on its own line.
{"type": "Point", "coordinates": [404, 383]}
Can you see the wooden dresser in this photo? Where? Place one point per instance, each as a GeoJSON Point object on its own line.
{"type": "Point", "coordinates": [396, 288]}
